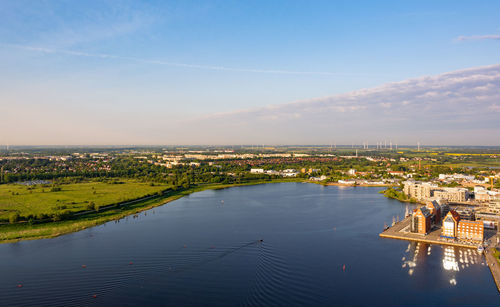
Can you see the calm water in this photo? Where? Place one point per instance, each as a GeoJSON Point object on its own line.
{"type": "Point", "coordinates": [201, 251]}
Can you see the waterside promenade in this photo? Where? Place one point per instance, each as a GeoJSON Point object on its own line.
{"type": "Point", "coordinates": [494, 266]}
{"type": "Point", "coordinates": [401, 231]}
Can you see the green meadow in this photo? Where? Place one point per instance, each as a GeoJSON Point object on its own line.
{"type": "Point", "coordinates": [39, 201]}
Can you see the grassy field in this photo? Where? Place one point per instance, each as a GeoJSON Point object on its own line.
{"type": "Point", "coordinates": [37, 200]}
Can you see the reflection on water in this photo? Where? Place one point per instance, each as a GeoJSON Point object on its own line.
{"type": "Point", "coordinates": [453, 258]}
{"type": "Point", "coordinates": [450, 262]}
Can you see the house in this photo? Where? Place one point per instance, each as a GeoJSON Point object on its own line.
{"type": "Point", "coordinates": [450, 224]}
{"type": "Point", "coordinates": [257, 171]}
{"type": "Point", "coordinates": [421, 220]}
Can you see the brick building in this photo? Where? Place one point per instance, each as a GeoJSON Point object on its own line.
{"type": "Point", "coordinates": [421, 220]}
{"type": "Point", "coordinates": [471, 230]}
{"type": "Point", "coordinates": [435, 210]}
{"type": "Point", "coordinates": [450, 224]}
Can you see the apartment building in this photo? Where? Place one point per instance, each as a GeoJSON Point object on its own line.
{"type": "Point", "coordinates": [451, 194]}
{"type": "Point", "coordinates": [450, 224]}
{"type": "Point", "coordinates": [419, 190]}
{"type": "Point", "coordinates": [471, 230]}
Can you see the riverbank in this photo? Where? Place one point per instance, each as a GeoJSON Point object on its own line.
{"type": "Point", "coordinates": [355, 185]}
{"type": "Point", "coordinates": [20, 232]}
{"type": "Point", "coordinates": [494, 265]}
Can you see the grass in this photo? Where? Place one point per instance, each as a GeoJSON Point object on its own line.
{"type": "Point", "coordinates": [17, 232]}
{"type": "Point", "coordinates": [496, 254]}
{"type": "Point", "coordinates": [38, 200]}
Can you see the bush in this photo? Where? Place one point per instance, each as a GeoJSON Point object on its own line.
{"type": "Point", "coordinates": [14, 218]}
{"type": "Point", "coordinates": [41, 216]}
{"type": "Point", "coordinates": [59, 216]}
{"type": "Point", "coordinates": [91, 206]}
{"type": "Point", "coordinates": [55, 189]}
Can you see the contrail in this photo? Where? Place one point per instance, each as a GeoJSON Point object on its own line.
{"type": "Point", "coordinates": [175, 64]}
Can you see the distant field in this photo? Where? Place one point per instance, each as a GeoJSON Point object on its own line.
{"type": "Point", "coordinates": [37, 200]}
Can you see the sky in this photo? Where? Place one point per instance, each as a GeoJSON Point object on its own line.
{"type": "Point", "coordinates": [249, 72]}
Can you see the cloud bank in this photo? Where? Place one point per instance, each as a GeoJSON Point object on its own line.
{"type": "Point", "coordinates": [479, 37]}
{"type": "Point", "coordinates": [455, 108]}
{"type": "Point", "coordinates": [460, 107]}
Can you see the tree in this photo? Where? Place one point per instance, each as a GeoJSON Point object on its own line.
{"type": "Point", "coordinates": [14, 218]}
{"type": "Point", "coordinates": [91, 206]}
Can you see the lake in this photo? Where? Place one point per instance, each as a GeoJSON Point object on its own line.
{"type": "Point", "coordinates": [280, 244]}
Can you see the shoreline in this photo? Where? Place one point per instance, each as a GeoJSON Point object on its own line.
{"type": "Point", "coordinates": [357, 185]}
{"type": "Point", "coordinates": [23, 232]}
{"type": "Point", "coordinates": [11, 233]}
{"type": "Point", "coordinates": [494, 269]}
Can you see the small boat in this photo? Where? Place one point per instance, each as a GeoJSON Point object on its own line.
{"type": "Point", "coordinates": [480, 248]}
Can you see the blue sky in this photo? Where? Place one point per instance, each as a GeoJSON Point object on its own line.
{"type": "Point", "coordinates": [106, 64]}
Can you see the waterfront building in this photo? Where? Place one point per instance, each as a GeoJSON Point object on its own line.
{"type": "Point", "coordinates": [346, 181]}
{"type": "Point", "coordinates": [421, 221]}
{"type": "Point", "coordinates": [445, 208]}
{"type": "Point", "coordinates": [426, 190]}
{"type": "Point", "coordinates": [450, 224]}
{"type": "Point", "coordinates": [466, 213]}
{"type": "Point", "coordinates": [451, 194]}
{"type": "Point", "coordinates": [418, 190]}
{"type": "Point", "coordinates": [471, 230]}
{"type": "Point", "coordinates": [257, 171]}
{"type": "Point", "coordinates": [435, 210]}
